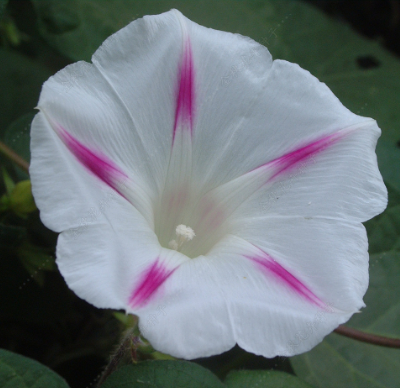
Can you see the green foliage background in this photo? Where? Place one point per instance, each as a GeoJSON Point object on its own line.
{"type": "Point", "coordinates": [41, 318]}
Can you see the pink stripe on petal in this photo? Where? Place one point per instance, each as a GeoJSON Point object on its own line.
{"type": "Point", "coordinates": [152, 279]}
{"type": "Point", "coordinates": [270, 267]}
{"type": "Point", "coordinates": [99, 165]}
{"type": "Point", "coordinates": [302, 155]}
{"type": "Point", "coordinates": [184, 112]}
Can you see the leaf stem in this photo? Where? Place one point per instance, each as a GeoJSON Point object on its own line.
{"type": "Point", "coordinates": [367, 337]}
{"type": "Point", "coordinates": [12, 155]}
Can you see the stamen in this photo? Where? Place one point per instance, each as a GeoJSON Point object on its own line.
{"type": "Point", "coordinates": [184, 233]}
{"type": "Point", "coordinates": [173, 245]}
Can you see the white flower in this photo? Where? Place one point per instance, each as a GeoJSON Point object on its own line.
{"type": "Point", "coordinates": [221, 204]}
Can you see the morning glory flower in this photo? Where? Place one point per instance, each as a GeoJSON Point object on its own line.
{"type": "Point", "coordinates": [213, 192]}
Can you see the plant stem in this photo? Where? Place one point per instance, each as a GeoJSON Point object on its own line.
{"type": "Point", "coordinates": [12, 155]}
{"type": "Point", "coordinates": [116, 358]}
{"type": "Point", "coordinates": [368, 338]}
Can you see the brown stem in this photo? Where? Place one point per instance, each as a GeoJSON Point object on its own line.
{"type": "Point", "coordinates": [10, 154]}
{"type": "Point", "coordinates": [368, 338]}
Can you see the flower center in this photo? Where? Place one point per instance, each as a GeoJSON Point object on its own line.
{"type": "Point", "coordinates": [184, 233]}
{"type": "Point", "coordinates": [182, 207]}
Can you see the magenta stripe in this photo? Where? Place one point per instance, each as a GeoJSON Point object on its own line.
{"type": "Point", "coordinates": [151, 280]}
{"type": "Point", "coordinates": [99, 165]}
{"type": "Point", "coordinates": [184, 111]}
{"type": "Point", "coordinates": [301, 155]}
{"type": "Point", "coordinates": [271, 267]}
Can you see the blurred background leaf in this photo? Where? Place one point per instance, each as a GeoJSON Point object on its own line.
{"type": "Point", "coordinates": [3, 4]}
{"type": "Point", "coordinates": [77, 28]}
{"type": "Point", "coordinates": [11, 236]}
{"type": "Point", "coordinates": [163, 374]}
{"type": "Point", "coordinates": [36, 260]}
{"type": "Point", "coordinates": [17, 137]}
{"type": "Point", "coordinates": [20, 82]}
{"type": "Point", "coordinates": [263, 379]}
{"type": "Point", "coordinates": [343, 362]}
{"type": "Point", "coordinates": [384, 230]}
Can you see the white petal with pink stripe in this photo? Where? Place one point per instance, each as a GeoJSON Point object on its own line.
{"type": "Point", "coordinates": [218, 212]}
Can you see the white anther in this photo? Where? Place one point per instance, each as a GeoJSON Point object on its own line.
{"type": "Point", "coordinates": [185, 232]}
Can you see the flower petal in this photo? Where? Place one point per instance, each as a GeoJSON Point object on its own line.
{"type": "Point", "coordinates": [271, 267]}
{"type": "Point", "coordinates": [288, 308]}
{"type": "Point", "coordinates": [95, 162]}
{"type": "Point", "coordinates": [123, 104]}
{"type": "Point", "coordinates": [330, 255]}
{"type": "Point", "coordinates": [265, 110]}
{"type": "Point", "coordinates": [178, 191]}
{"type": "Point", "coordinates": [152, 279]}
{"type": "Point", "coordinates": [277, 298]}
{"type": "Point", "coordinates": [149, 68]}
{"type": "Point", "coordinates": [338, 168]}
{"type": "Point", "coordinates": [190, 320]}
{"type": "Point", "coordinates": [79, 100]}
{"type": "Point", "coordinates": [184, 113]}
{"type": "Point", "coordinates": [60, 162]}
{"type": "Point", "coordinates": [104, 262]}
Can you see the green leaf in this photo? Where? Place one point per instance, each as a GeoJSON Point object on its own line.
{"type": "Point", "coordinates": [263, 379]}
{"type": "Point", "coordinates": [9, 183]}
{"type": "Point", "coordinates": [78, 27]}
{"type": "Point", "coordinates": [56, 17]}
{"type": "Point", "coordinates": [343, 362]}
{"type": "Point", "coordinates": [382, 314]}
{"type": "Point", "coordinates": [21, 199]}
{"type": "Point", "coordinates": [383, 230]}
{"type": "Point", "coordinates": [163, 374]}
{"type": "Point", "coordinates": [3, 4]}
{"type": "Point", "coordinates": [384, 233]}
{"type": "Point", "coordinates": [17, 135]}
{"type": "Point", "coordinates": [17, 371]}
{"type": "Point", "coordinates": [20, 82]}
{"type": "Point", "coordinates": [23, 300]}
{"type": "Point", "coordinates": [128, 320]}
{"type": "Point", "coordinates": [11, 236]}
{"type": "Point", "coordinates": [36, 260]}
{"type": "Point", "coordinates": [389, 156]}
